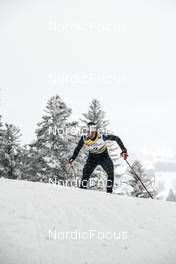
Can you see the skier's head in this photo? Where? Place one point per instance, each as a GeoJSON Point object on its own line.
{"type": "Point", "coordinates": [92, 129]}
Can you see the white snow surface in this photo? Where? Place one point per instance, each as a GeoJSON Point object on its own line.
{"type": "Point", "coordinates": [33, 213]}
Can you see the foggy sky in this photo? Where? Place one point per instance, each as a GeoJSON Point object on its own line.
{"type": "Point", "coordinates": [120, 52]}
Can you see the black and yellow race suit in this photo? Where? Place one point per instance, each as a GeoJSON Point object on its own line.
{"type": "Point", "coordinates": [98, 155]}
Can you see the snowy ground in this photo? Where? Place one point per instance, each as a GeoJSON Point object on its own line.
{"type": "Point", "coordinates": [140, 230]}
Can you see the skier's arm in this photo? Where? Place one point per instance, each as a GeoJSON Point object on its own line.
{"type": "Point", "coordinates": [77, 149]}
{"type": "Point", "coordinates": [117, 139]}
{"type": "Point", "coordinates": [124, 152]}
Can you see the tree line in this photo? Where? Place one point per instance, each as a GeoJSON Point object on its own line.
{"type": "Point", "coordinates": [46, 157]}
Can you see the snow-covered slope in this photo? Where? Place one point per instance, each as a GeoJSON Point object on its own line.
{"type": "Point", "coordinates": [32, 214]}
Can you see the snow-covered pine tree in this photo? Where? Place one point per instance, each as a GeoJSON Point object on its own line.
{"type": "Point", "coordinates": [2, 148]}
{"type": "Point", "coordinates": [11, 158]}
{"type": "Point", "coordinates": [171, 196]}
{"type": "Point", "coordinates": [54, 142]}
{"type": "Point", "coordinates": [95, 114]}
{"type": "Point", "coordinates": [33, 164]}
{"type": "Point", "coordinates": [138, 189]}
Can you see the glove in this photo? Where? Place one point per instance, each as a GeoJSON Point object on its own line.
{"type": "Point", "coordinates": [71, 160]}
{"type": "Point", "coordinates": [124, 154]}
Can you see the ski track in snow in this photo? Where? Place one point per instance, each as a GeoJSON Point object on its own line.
{"type": "Point", "coordinates": [29, 210]}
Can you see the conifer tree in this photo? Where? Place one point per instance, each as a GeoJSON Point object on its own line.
{"type": "Point", "coordinates": [95, 114]}
{"type": "Point", "coordinates": [2, 148]}
{"type": "Point", "coordinates": [55, 143]}
{"type": "Point", "coordinates": [138, 189]}
{"type": "Point", "coordinates": [11, 157]}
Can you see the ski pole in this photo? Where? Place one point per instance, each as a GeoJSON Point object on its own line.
{"type": "Point", "coordinates": [77, 181]}
{"type": "Point", "coordinates": [139, 179]}
{"type": "Point", "coordinates": [73, 170]}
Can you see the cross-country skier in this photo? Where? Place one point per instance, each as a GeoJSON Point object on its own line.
{"type": "Point", "coordinates": [98, 155]}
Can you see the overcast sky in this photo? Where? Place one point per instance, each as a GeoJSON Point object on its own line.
{"type": "Point", "coordinates": [120, 52]}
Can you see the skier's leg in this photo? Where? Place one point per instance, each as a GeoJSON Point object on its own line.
{"type": "Point", "coordinates": [108, 166]}
{"type": "Point", "coordinates": [87, 171]}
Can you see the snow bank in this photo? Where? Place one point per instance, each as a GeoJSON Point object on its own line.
{"type": "Point", "coordinates": [40, 224]}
